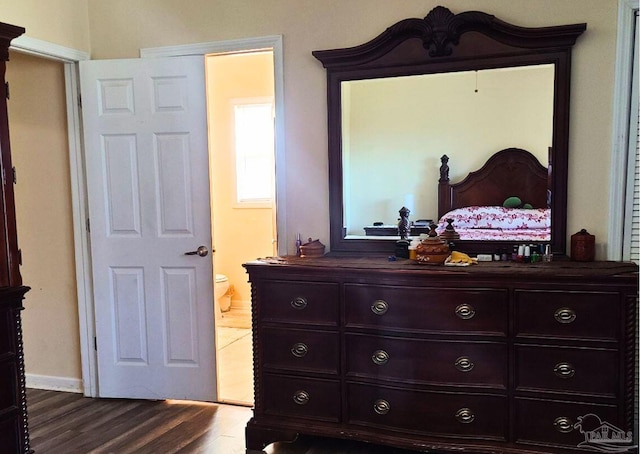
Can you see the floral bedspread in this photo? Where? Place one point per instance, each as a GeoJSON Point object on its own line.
{"type": "Point", "coordinates": [499, 223]}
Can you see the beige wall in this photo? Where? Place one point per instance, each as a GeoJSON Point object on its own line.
{"type": "Point", "coordinates": [119, 28]}
{"type": "Point", "coordinates": [61, 22]}
{"type": "Point", "coordinates": [239, 234]}
{"type": "Point", "coordinates": [307, 25]}
{"type": "Point", "coordinates": [37, 119]}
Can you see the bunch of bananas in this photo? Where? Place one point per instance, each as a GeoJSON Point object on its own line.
{"type": "Point", "coordinates": [460, 257]}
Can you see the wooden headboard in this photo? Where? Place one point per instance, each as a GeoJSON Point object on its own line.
{"type": "Point", "coordinates": [509, 172]}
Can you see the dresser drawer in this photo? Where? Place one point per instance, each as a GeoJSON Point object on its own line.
{"type": "Point", "coordinates": [553, 422]}
{"type": "Point", "coordinates": [301, 397]}
{"type": "Point", "coordinates": [565, 369]}
{"type": "Point", "coordinates": [589, 315]}
{"type": "Point", "coordinates": [426, 309]}
{"type": "Point", "coordinates": [455, 414]}
{"type": "Point", "coordinates": [427, 361]}
{"type": "Point", "coordinates": [302, 350]}
{"type": "Point", "coordinates": [299, 302]}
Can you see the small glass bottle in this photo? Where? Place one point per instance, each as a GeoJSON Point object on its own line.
{"type": "Point", "coordinates": [298, 244]}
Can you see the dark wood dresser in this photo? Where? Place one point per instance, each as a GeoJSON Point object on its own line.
{"type": "Point", "coordinates": [495, 357]}
{"type": "Point", "coordinates": [14, 432]}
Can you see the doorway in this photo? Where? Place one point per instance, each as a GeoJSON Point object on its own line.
{"type": "Point", "coordinates": [88, 383]}
{"type": "Point", "coordinates": [240, 110]}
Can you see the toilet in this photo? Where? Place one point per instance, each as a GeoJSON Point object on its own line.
{"type": "Point", "coordinates": [221, 294]}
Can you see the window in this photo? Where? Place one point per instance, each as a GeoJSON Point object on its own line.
{"type": "Point", "coordinates": [254, 153]}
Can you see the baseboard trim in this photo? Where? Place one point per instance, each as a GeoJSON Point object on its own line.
{"type": "Point", "coordinates": [70, 385]}
{"type": "Point", "coordinates": [242, 305]}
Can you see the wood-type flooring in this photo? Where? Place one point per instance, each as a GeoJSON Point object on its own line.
{"type": "Point", "coordinates": [68, 423]}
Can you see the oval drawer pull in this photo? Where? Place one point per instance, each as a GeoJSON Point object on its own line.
{"type": "Point", "coordinates": [381, 407]}
{"type": "Point", "coordinates": [379, 307]}
{"type": "Point", "coordinates": [563, 424]}
{"type": "Point", "coordinates": [301, 397]}
{"type": "Point", "coordinates": [464, 364]}
{"type": "Point", "coordinates": [299, 349]}
{"type": "Point", "coordinates": [564, 370]}
{"type": "Point", "coordinates": [299, 303]}
{"type": "Point", "coordinates": [465, 311]}
{"type": "Point", "coordinates": [565, 315]}
{"type": "Point", "coordinates": [465, 416]}
{"type": "Point", "coordinates": [380, 357]}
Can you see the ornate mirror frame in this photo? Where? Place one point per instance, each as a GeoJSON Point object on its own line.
{"type": "Point", "coordinates": [444, 42]}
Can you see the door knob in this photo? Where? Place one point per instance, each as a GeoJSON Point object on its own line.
{"type": "Point", "coordinates": [202, 251]}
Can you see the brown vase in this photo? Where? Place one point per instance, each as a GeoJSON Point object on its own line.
{"type": "Point", "coordinates": [432, 250]}
{"type": "Point", "coordinates": [583, 246]}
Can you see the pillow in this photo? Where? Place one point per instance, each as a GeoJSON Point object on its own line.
{"type": "Point", "coordinates": [495, 217]}
{"type": "Point", "coordinates": [512, 202]}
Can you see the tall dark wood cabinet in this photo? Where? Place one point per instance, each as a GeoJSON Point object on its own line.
{"type": "Point", "coordinates": [494, 358]}
{"type": "Point", "coordinates": [14, 432]}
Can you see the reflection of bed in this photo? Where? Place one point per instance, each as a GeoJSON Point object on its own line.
{"type": "Point", "coordinates": [476, 203]}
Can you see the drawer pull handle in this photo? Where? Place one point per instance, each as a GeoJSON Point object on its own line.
{"type": "Point", "coordinates": [465, 416]}
{"type": "Point", "coordinates": [380, 357]}
{"type": "Point", "coordinates": [565, 315]}
{"type": "Point", "coordinates": [299, 349]}
{"type": "Point", "coordinates": [299, 303]}
{"type": "Point", "coordinates": [465, 311]}
{"type": "Point", "coordinates": [464, 364]}
{"type": "Point", "coordinates": [381, 407]}
{"type": "Point", "coordinates": [564, 370]}
{"type": "Point", "coordinates": [379, 307]}
{"type": "Point", "coordinates": [563, 424]}
{"type": "Point", "coordinates": [301, 397]}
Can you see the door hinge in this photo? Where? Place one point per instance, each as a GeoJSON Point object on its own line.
{"type": "Point", "coordinates": [95, 343]}
{"type": "Point", "coordinates": [88, 226]}
{"type": "Point", "coordinates": [15, 175]}
{"type": "Point", "coordinates": [6, 87]}
{"type": "Point", "coordinates": [80, 100]}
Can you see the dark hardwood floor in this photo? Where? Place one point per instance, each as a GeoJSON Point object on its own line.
{"type": "Point", "coordinates": [67, 423]}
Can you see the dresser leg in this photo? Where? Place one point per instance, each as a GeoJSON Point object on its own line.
{"type": "Point", "coordinates": [259, 437]}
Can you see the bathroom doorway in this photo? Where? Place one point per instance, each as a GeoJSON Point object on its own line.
{"type": "Point", "coordinates": [240, 106]}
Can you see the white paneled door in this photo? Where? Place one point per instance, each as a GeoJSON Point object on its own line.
{"type": "Point", "coordinates": [145, 132]}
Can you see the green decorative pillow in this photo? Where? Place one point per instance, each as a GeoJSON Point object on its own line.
{"type": "Point", "coordinates": [527, 206]}
{"type": "Point", "coordinates": [512, 202]}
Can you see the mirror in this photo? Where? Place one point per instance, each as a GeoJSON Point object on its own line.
{"type": "Point", "coordinates": [443, 46]}
{"type": "Point", "coordinates": [499, 108]}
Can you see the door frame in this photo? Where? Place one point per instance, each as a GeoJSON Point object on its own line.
{"type": "Point", "coordinates": [620, 128]}
{"type": "Point", "coordinates": [273, 42]}
{"type": "Point", "coordinates": [70, 58]}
